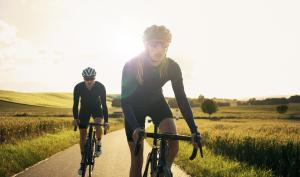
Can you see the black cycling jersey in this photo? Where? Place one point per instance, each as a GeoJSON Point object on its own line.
{"type": "Point", "coordinates": [90, 100]}
{"type": "Point", "coordinates": [150, 91]}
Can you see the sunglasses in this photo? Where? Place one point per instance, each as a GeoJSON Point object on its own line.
{"type": "Point", "coordinates": [156, 44]}
{"type": "Point", "coordinates": [89, 78]}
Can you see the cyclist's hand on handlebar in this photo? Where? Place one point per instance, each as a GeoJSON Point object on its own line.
{"type": "Point", "coordinates": [136, 133]}
{"type": "Point", "coordinates": [195, 137]}
{"type": "Point", "coordinates": [76, 122]}
{"type": "Point", "coordinates": [106, 126]}
{"type": "Point", "coordinates": [196, 141]}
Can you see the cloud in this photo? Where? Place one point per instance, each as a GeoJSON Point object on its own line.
{"type": "Point", "coordinates": [7, 34]}
{"type": "Point", "coordinates": [16, 52]}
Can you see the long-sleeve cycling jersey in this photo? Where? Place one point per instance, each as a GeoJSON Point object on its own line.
{"type": "Point", "coordinates": [150, 91]}
{"type": "Point", "coordinates": [90, 99]}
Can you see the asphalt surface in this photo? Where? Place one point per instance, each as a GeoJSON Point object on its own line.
{"type": "Point", "coordinates": [114, 161]}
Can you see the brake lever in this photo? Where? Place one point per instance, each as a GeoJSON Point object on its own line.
{"type": "Point", "coordinates": [137, 145]}
{"type": "Point", "coordinates": [105, 128]}
{"type": "Point", "coordinates": [194, 153]}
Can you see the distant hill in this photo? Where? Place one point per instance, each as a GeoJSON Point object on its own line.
{"type": "Point", "coordinates": [18, 109]}
{"type": "Point", "coordinates": [51, 99]}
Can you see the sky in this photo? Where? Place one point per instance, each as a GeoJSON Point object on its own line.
{"type": "Point", "coordinates": [226, 49]}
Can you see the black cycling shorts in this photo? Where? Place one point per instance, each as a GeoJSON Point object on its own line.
{"type": "Point", "coordinates": [85, 114]}
{"type": "Point", "coordinates": [157, 111]}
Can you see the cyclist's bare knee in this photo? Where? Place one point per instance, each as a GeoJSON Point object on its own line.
{"type": "Point", "coordinates": [167, 126]}
{"type": "Point", "coordinates": [98, 128]}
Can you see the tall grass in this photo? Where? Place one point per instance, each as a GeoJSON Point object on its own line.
{"type": "Point", "coordinates": [213, 165]}
{"type": "Point", "coordinates": [16, 157]}
{"type": "Point", "coordinates": [272, 144]}
{"type": "Point", "coordinates": [13, 129]}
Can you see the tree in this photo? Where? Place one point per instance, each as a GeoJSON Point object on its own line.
{"type": "Point", "coordinates": [294, 99]}
{"type": "Point", "coordinates": [201, 99]}
{"type": "Point", "coordinates": [252, 100]}
{"type": "Point", "coordinates": [209, 107]}
{"type": "Point", "coordinates": [282, 109]}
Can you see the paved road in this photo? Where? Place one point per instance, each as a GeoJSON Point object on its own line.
{"type": "Point", "coordinates": [114, 162]}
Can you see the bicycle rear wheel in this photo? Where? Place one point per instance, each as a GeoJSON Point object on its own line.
{"type": "Point", "coordinates": [167, 171]}
{"type": "Point", "coordinates": [91, 157]}
{"type": "Point", "coordinates": [90, 167]}
{"type": "Point", "coordinates": [85, 162]}
{"type": "Point", "coordinates": [83, 167]}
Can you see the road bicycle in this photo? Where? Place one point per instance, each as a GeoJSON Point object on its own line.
{"type": "Point", "coordinates": [88, 158]}
{"type": "Point", "coordinates": [156, 159]}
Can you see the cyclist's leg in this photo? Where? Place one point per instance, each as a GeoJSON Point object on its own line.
{"type": "Point", "coordinates": [162, 116]}
{"type": "Point", "coordinates": [98, 128]}
{"type": "Point", "coordinates": [167, 125]}
{"type": "Point", "coordinates": [84, 117]}
{"type": "Point", "coordinates": [98, 118]}
{"type": "Point", "coordinates": [136, 161]}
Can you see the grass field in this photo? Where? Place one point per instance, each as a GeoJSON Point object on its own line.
{"type": "Point", "coordinates": [13, 129]}
{"type": "Point", "coordinates": [242, 141]}
{"type": "Point", "coordinates": [263, 144]}
{"type": "Point", "coordinates": [214, 165]}
{"type": "Point", "coordinates": [30, 140]}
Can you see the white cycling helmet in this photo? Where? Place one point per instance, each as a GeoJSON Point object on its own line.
{"type": "Point", "coordinates": [88, 72]}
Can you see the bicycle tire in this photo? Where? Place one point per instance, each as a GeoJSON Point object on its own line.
{"type": "Point", "coordinates": [167, 171]}
{"type": "Point", "coordinates": [85, 160]}
{"type": "Point", "coordinates": [83, 167]}
{"type": "Point", "coordinates": [86, 157]}
{"type": "Point", "coordinates": [92, 156]}
{"type": "Point", "coordinates": [148, 163]}
{"type": "Point", "coordinates": [91, 165]}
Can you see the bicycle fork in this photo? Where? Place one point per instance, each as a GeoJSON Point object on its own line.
{"type": "Point", "coordinates": [151, 160]}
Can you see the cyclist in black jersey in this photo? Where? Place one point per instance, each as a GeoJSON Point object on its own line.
{"type": "Point", "coordinates": [92, 95]}
{"type": "Point", "coordinates": [142, 81]}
